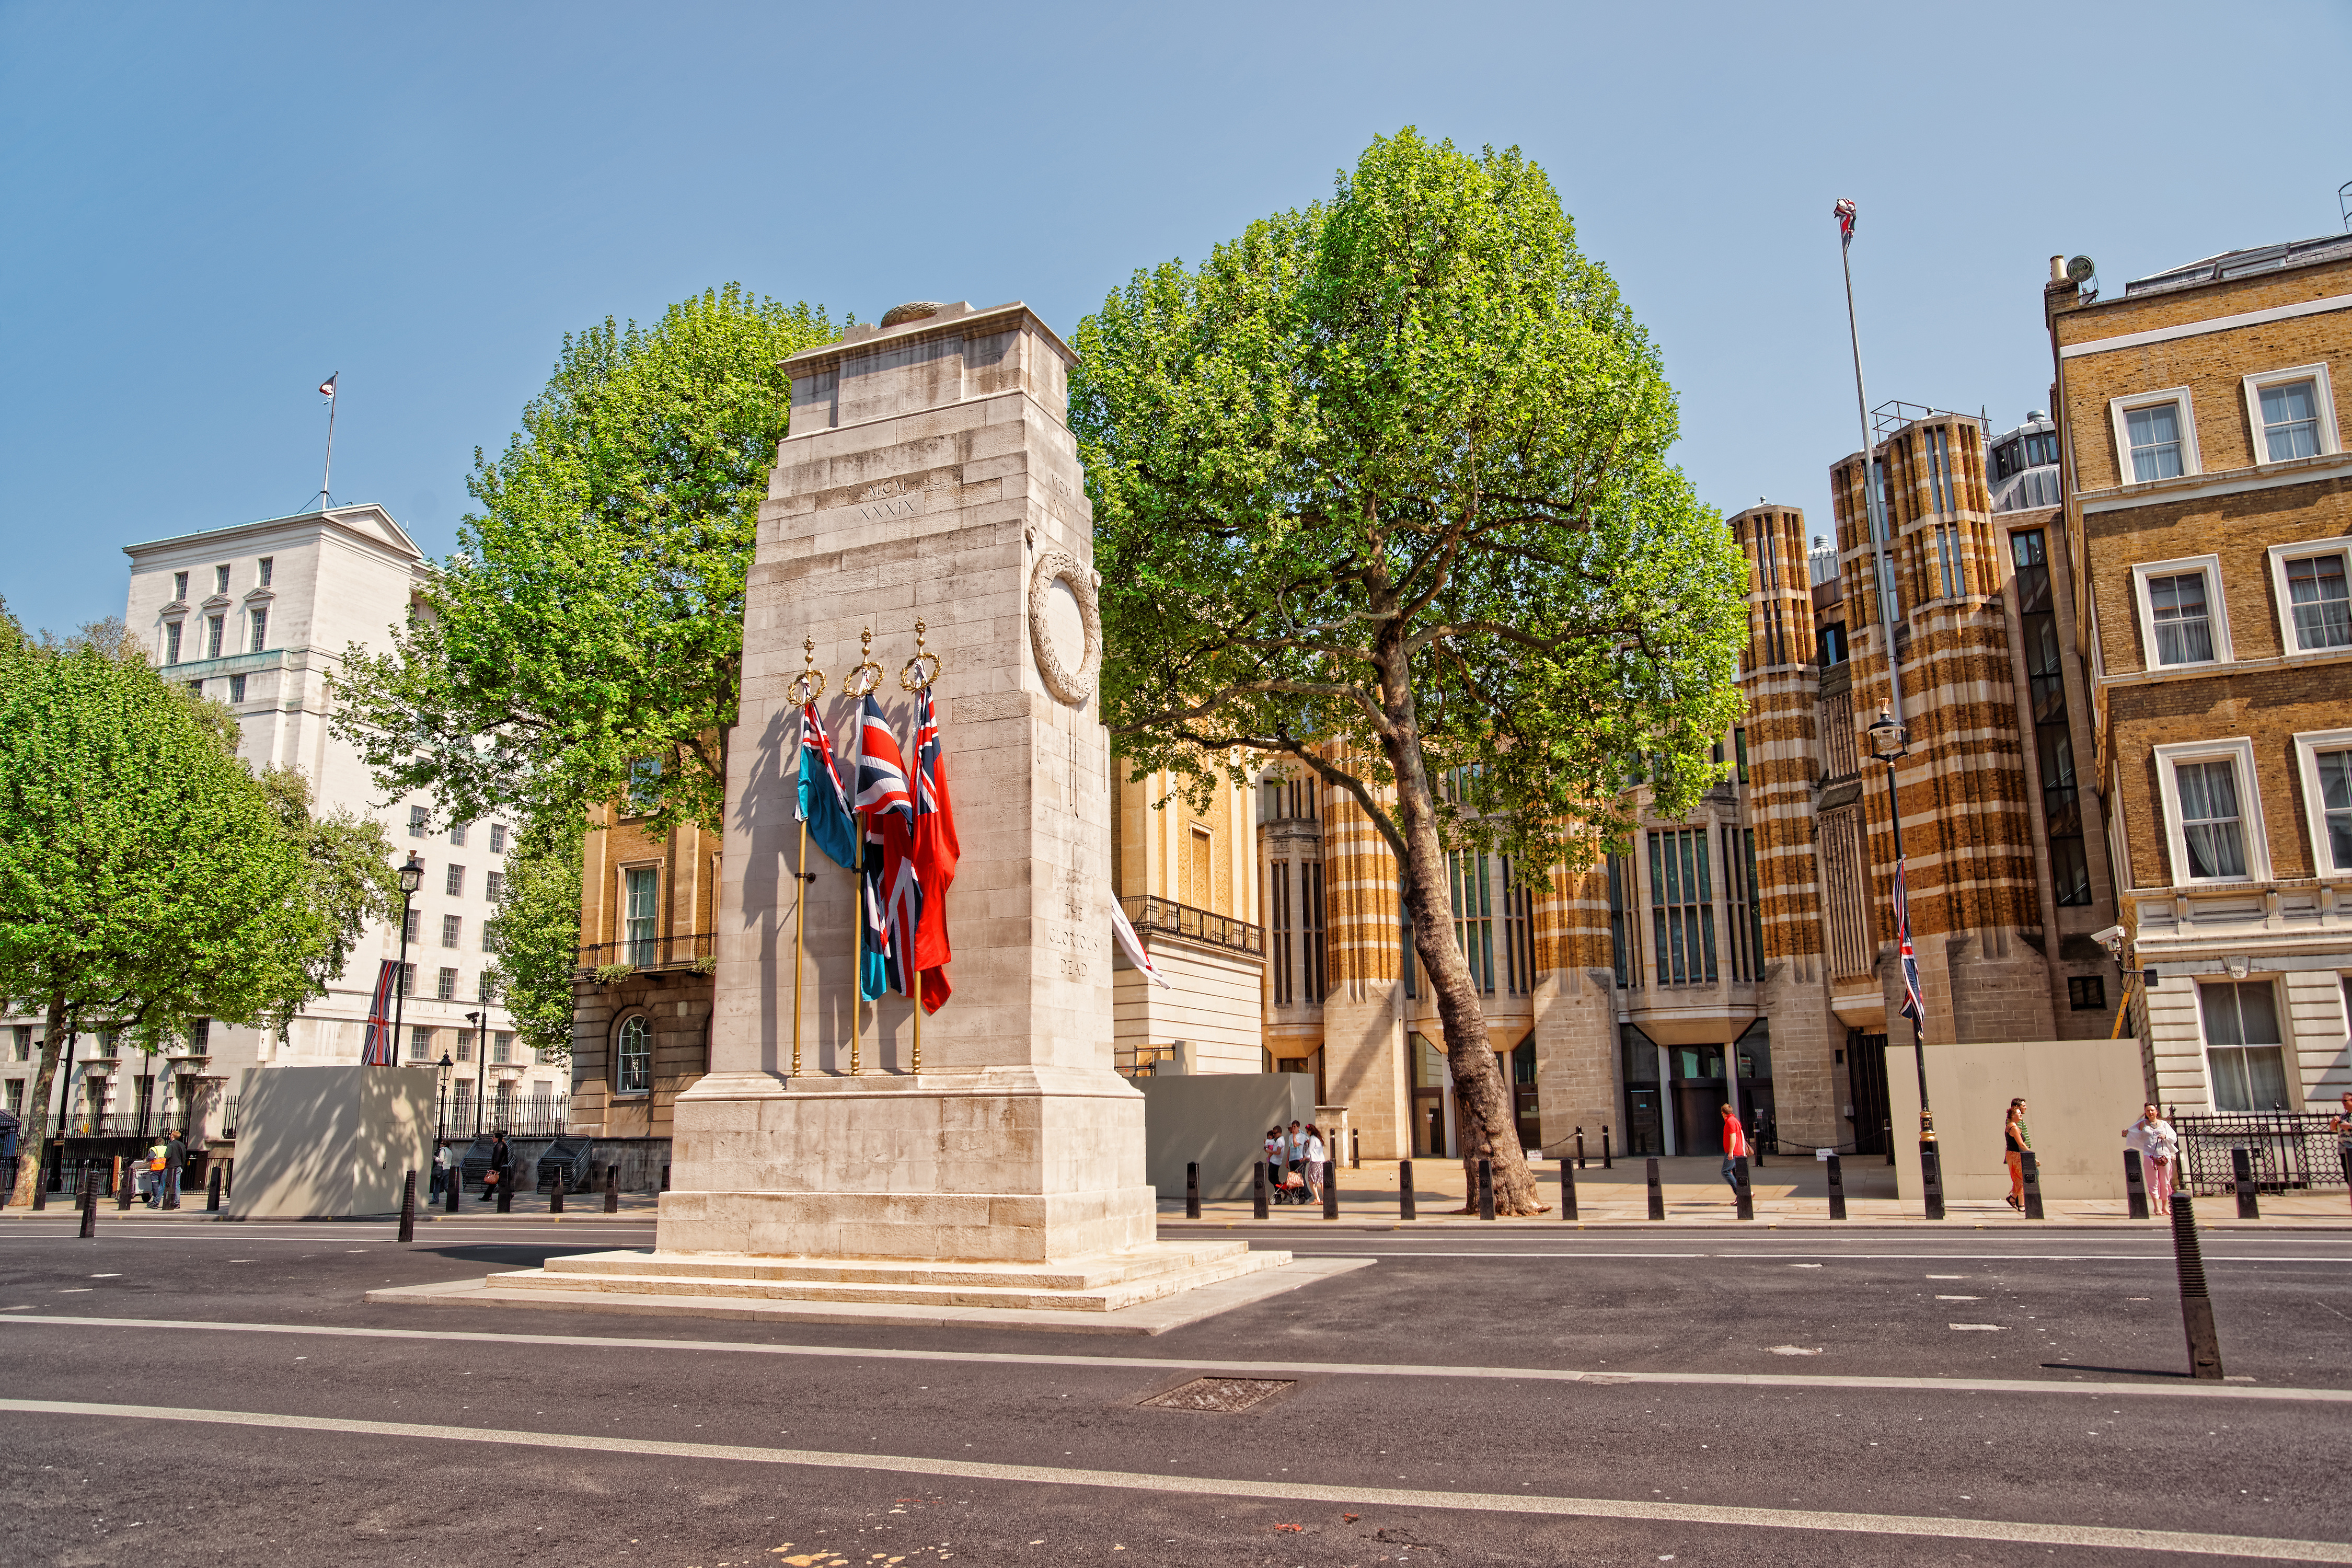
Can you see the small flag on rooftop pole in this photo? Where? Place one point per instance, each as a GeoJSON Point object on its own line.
{"type": "Point", "coordinates": [327, 387]}
{"type": "Point", "coordinates": [1845, 215]}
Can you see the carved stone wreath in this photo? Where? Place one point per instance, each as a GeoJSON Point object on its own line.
{"type": "Point", "coordinates": [1057, 565]}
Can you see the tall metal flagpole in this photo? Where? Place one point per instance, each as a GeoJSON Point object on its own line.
{"type": "Point", "coordinates": [863, 679]}
{"type": "Point", "coordinates": [805, 689]}
{"type": "Point", "coordinates": [914, 677]}
{"type": "Point", "coordinates": [326, 490]}
{"type": "Point", "coordinates": [1882, 567]}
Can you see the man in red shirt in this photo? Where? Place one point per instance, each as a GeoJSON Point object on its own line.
{"type": "Point", "coordinates": [1735, 1145]}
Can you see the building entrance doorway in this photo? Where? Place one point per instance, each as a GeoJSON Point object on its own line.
{"type": "Point", "coordinates": [1433, 1121]}
{"type": "Point", "coordinates": [1865, 1069]}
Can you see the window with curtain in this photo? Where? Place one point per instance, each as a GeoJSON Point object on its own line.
{"type": "Point", "coordinates": [2242, 1045]}
{"type": "Point", "coordinates": [2291, 420]}
{"type": "Point", "coordinates": [2316, 597]}
{"type": "Point", "coordinates": [639, 917]}
{"type": "Point", "coordinates": [1682, 912]}
{"type": "Point", "coordinates": [2184, 630]}
{"type": "Point", "coordinates": [1473, 892]}
{"type": "Point", "coordinates": [2336, 808]}
{"type": "Point", "coordinates": [2155, 436]}
{"type": "Point", "coordinates": [632, 1069]}
{"type": "Point", "coordinates": [2211, 824]}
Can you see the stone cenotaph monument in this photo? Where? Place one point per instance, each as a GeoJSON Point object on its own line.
{"type": "Point", "coordinates": [928, 477]}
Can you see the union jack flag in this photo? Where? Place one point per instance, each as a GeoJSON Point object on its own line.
{"type": "Point", "coordinates": [380, 1050]}
{"type": "Point", "coordinates": [934, 850]}
{"type": "Point", "coordinates": [1914, 1007]}
{"type": "Point", "coordinates": [881, 774]}
{"type": "Point", "coordinates": [1844, 210]}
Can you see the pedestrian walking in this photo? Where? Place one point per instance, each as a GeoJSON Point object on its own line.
{"type": "Point", "coordinates": [2158, 1144]}
{"type": "Point", "coordinates": [440, 1170]}
{"type": "Point", "coordinates": [2016, 1140]}
{"type": "Point", "coordinates": [2341, 1125]}
{"type": "Point", "coordinates": [1313, 1156]}
{"type": "Point", "coordinates": [158, 1156]}
{"type": "Point", "coordinates": [1734, 1147]}
{"type": "Point", "coordinates": [501, 1169]}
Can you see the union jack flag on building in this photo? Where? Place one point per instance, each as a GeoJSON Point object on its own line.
{"type": "Point", "coordinates": [1844, 210]}
{"type": "Point", "coordinates": [379, 1049]}
{"type": "Point", "coordinates": [1914, 1007]}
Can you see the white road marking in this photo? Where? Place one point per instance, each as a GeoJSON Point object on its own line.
{"type": "Point", "coordinates": [1975, 1328]}
{"type": "Point", "coordinates": [2015, 1531]}
{"type": "Point", "coordinates": [2182, 1389]}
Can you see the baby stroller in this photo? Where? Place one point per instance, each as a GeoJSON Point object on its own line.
{"type": "Point", "coordinates": [1289, 1184]}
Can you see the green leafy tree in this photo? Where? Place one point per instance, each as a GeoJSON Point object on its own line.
{"type": "Point", "coordinates": [1381, 487]}
{"type": "Point", "coordinates": [588, 634]}
{"type": "Point", "coordinates": [536, 931]}
{"type": "Point", "coordinates": [147, 878]}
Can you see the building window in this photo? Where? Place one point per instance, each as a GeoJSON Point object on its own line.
{"type": "Point", "coordinates": [1624, 926]}
{"type": "Point", "coordinates": [2086, 993]}
{"type": "Point", "coordinates": [417, 818]}
{"type": "Point", "coordinates": [1743, 920]}
{"type": "Point", "coordinates": [260, 619]}
{"type": "Point", "coordinates": [1519, 935]}
{"type": "Point", "coordinates": [220, 579]}
{"type": "Point", "coordinates": [1472, 889]}
{"type": "Point", "coordinates": [213, 628]}
{"type": "Point", "coordinates": [2323, 758]}
{"type": "Point", "coordinates": [1313, 978]}
{"type": "Point", "coordinates": [408, 980]}
{"type": "Point", "coordinates": [490, 936]}
{"type": "Point", "coordinates": [179, 587]}
{"type": "Point", "coordinates": [20, 1044]}
{"type": "Point", "coordinates": [1682, 914]}
{"type": "Point", "coordinates": [485, 986]}
{"type": "Point", "coordinates": [457, 833]}
{"type": "Point", "coordinates": [1833, 644]}
{"type": "Point", "coordinates": [455, 883]}
{"type": "Point", "coordinates": [502, 1046]}
{"type": "Point", "coordinates": [195, 689]}
{"type": "Point", "coordinates": [2293, 413]}
{"type": "Point", "coordinates": [2209, 821]}
{"type": "Point", "coordinates": [200, 1036]}
{"type": "Point", "coordinates": [420, 1043]}
{"type": "Point", "coordinates": [2183, 620]}
{"type": "Point", "coordinates": [2214, 823]}
{"type": "Point", "coordinates": [235, 688]}
{"type": "Point", "coordinates": [2053, 735]}
{"type": "Point", "coordinates": [2155, 436]}
{"type": "Point", "coordinates": [1739, 753]}
{"type": "Point", "coordinates": [411, 921]}
{"type": "Point", "coordinates": [633, 1059]}
{"type": "Point", "coordinates": [2242, 1045]}
{"type": "Point", "coordinates": [2316, 614]}
{"type": "Point", "coordinates": [17, 1098]}
{"type": "Point", "coordinates": [494, 886]}
{"type": "Point", "coordinates": [639, 917]}
{"type": "Point", "coordinates": [1277, 905]}
{"type": "Point", "coordinates": [465, 1045]}
{"type": "Point", "coordinates": [498, 838]}
{"type": "Point", "coordinates": [448, 988]}
{"type": "Point", "coordinates": [265, 565]}
{"type": "Point", "coordinates": [452, 930]}
{"type": "Point", "coordinates": [171, 642]}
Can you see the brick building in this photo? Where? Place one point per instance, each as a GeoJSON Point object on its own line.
{"type": "Point", "coordinates": [2206, 521]}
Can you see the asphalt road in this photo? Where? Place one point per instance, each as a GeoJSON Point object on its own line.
{"type": "Point", "coordinates": [198, 1393]}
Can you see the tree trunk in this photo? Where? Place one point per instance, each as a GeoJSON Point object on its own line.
{"type": "Point", "coordinates": [1489, 1123]}
{"type": "Point", "coordinates": [33, 1138]}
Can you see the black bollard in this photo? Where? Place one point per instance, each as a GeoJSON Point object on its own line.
{"type": "Point", "coordinates": [612, 1189]}
{"type": "Point", "coordinates": [213, 1192]}
{"type": "Point", "coordinates": [555, 1194]}
{"type": "Point", "coordinates": [1330, 1189]}
{"type": "Point", "coordinates": [1657, 1192]}
{"type": "Point", "coordinates": [170, 1180]}
{"type": "Point", "coordinates": [228, 1178]}
{"type": "Point", "coordinates": [1742, 1194]}
{"type": "Point", "coordinates": [408, 1208]}
{"type": "Point", "coordinates": [1888, 1129]}
{"type": "Point", "coordinates": [1931, 1180]}
{"type": "Point", "coordinates": [2135, 1187]}
{"type": "Point", "coordinates": [2031, 1168]}
{"type": "Point", "coordinates": [1485, 1189]}
{"type": "Point", "coordinates": [1579, 1147]}
{"type": "Point", "coordinates": [1756, 1141]}
{"type": "Point", "coordinates": [1604, 1148]}
{"type": "Point", "coordinates": [1566, 1190]}
{"type": "Point", "coordinates": [1837, 1188]}
{"type": "Point", "coordinates": [2196, 1305]}
{"type": "Point", "coordinates": [1355, 1151]}
{"type": "Point", "coordinates": [454, 1187]}
{"type": "Point", "coordinates": [1192, 1190]}
{"type": "Point", "coordinates": [665, 1186]}
{"type": "Point", "coordinates": [1257, 1189]}
{"type": "Point", "coordinates": [125, 1181]}
{"type": "Point", "coordinates": [1404, 1191]}
{"type": "Point", "coordinates": [2241, 1166]}
{"type": "Point", "coordinates": [88, 1203]}
{"type": "Point", "coordinates": [506, 1192]}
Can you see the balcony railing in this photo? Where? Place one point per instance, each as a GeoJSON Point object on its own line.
{"type": "Point", "coordinates": [1166, 917]}
{"type": "Point", "coordinates": [2290, 1151]}
{"type": "Point", "coordinates": [689, 950]}
{"type": "Point", "coordinates": [519, 1116]}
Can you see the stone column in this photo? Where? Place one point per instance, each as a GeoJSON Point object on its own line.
{"type": "Point", "coordinates": [929, 475]}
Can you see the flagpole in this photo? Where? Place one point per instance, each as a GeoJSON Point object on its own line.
{"type": "Point", "coordinates": [805, 689]}
{"type": "Point", "coordinates": [915, 679]}
{"type": "Point", "coordinates": [326, 490]}
{"type": "Point", "coordinates": [1881, 566]}
{"type": "Point", "coordinates": [862, 680]}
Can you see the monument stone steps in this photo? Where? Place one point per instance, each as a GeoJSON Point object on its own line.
{"type": "Point", "coordinates": [915, 1285]}
{"type": "Point", "coordinates": [1090, 1274]}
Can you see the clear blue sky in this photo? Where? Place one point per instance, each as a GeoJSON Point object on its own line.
{"type": "Point", "coordinates": [207, 208]}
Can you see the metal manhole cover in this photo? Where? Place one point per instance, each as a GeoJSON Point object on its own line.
{"type": "Point", "coordinates": [1226, 1396]}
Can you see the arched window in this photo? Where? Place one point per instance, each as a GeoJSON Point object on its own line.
{"type": "Point", "coordinates": [633, 1055]}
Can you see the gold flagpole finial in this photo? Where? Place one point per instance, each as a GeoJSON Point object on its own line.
{"type": "Point", "coordinates": [867, 675]}
{"type": "Point", "coordinates": [913, 676]}
{"type": "Point", "coordinates": [809, 684]}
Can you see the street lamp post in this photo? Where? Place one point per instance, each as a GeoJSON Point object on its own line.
{"type": "Point", "coordinates": [474, 1020]}
{"type": "Point", "coordinates": [1887, 744]}
{"type": "Point", "coordinates": [412, 876]}
{"type": "Point", "coordinates": [441, 1118]}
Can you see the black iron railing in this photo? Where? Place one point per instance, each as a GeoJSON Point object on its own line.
{"type": "Point", "coordinates": [2290, 1152]}
{"type": "Point", "coordinates": [689, 950]}
{"type": "Point", "coordinates": [1141, 1061]}
{"type": "Point", "coordinates": [519, 1116]}
{"type": "Point", "coordinates": [1165, 917]}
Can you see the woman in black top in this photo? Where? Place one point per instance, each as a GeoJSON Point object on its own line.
{"type": "Point", "coordinates": [2017, 1140]}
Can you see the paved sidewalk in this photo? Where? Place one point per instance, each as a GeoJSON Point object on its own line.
{"type": "Point", "coordinates": [1789, 1191]}
{"type": "Point", "coordinates": [638, 1207]}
